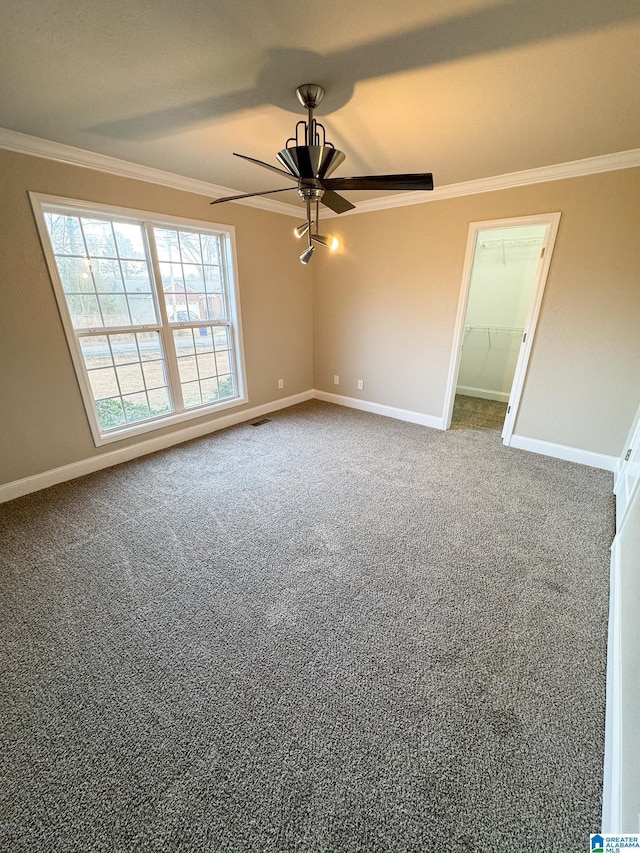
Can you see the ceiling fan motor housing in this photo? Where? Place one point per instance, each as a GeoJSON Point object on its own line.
{"type": "Point", "coordinates": [310, 161]}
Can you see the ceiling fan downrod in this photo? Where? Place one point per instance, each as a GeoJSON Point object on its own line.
{"type": "Point", "coordinates": [310, 96]}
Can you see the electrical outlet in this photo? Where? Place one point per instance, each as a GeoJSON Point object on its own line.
{"type": "Point", "coordinates": [336, 379]}
{"type": "Point", "coordinates": [280, 383]}
{"type": "Point", "coordinates": [360, 384]}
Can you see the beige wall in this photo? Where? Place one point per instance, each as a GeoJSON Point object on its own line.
{"type": "Point", "coordinates": [43, 423]}
{"type": "Point", "coordinates": [382, 309]}
{"type": "Point", "coordinates": [385, 307]}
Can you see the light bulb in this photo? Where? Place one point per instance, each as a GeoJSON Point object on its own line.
{"type": "Point", "coordinates": [330, 242]}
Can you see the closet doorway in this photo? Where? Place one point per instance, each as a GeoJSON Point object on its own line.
{"type": "Point", "coordinates": [503, 281]}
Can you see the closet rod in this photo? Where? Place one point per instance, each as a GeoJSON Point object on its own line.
{"type": "Point", "coordinates": [515, 241]}
{"type": "Point", "coordinates": [506, 329]}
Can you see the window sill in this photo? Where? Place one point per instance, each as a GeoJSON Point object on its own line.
{"type": "Point", "coordinates": [163, 421]}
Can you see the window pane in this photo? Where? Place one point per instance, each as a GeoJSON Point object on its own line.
{"type": "Point", "coordinates": [167, 244]}
{"type": "Point", "coordinates": [190, 247]}
{"type": "Point", "coordinates": [203, 339]}
{"type": "Point", "coordinates": [114, 310]}
{"type": "Point", "coordinates": [143, 311]}
{"type": "Point", "coordinates": [193, 277]}
{"type": "Point", "coordinates": [107, 276]}
{"type": "Point", "coordinates": [226, 387]}
{"type": "Point", "coordinates": [183, 339]}
{"type": "Point", "coordinates": [65, 233]}
{"type": "Point", "coordinates": [75, 274]}
{"type": "Point", "coordinates": [136, 277]}
{"type": "Point", "coordinates": [213, 279]}
{"type": "Point", "coordinates": [130, 378]}
{"type": "Point", "coordinates": [103, 383]}
{"type": "Point", "coordinates": [123, 348]}
{"type": "Point", "coordinates": [215, 309]}
{"type": "Point", "coordinates": [159, 403]}
{"type": "Point", "coordinates": [129, 240]}
{"type": "Point", "coordinates": [96, 352]}
{"type": "Point", "coordinates": [110, 413]}
{"type": "Point", "coordinates": [210, 249]}
{"type": "Point", "coordinates": [136, 407]}
{"type": "Point", "coordinates": [191, 394]}
{"type": "Point", "coordinates": [171, 275]}
{"type": "Point", "coordinates": [216, 389]}
{"type": "Point", "coordinates": [84, 311]}
{"type": "Point", "coordinates": [154, 376]}
{"type": "Point", "coordinates": [220, 337]}
{"type": "Point", "coordinates": [187, 365]}
{"type": "Point", "coordinates": [206, 364]}
{"type": "Point", "coordinates": [149, 345]}
{"type": "Point", "coordinates": [209, 390]}
{"type": "Point", "coordinates": [99, 237]}
{"type": "Point", "coordinates": [223, 364]}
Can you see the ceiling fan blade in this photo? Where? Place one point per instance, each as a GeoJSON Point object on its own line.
{"type": "Point", "coordinates": [423, 181]}
{"type": "Point", "coordinates": [335, 202]}
{"type": "Point", "coordinates": [267, 166]}
{"type": "Point", "coordinates": [250, 195]}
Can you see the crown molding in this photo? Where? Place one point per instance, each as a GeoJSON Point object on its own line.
{"type": "Point", "coordinates": [573, 169]}
{"type": "Point", "coordinates": [12, 140]}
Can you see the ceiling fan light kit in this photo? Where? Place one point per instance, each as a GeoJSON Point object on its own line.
{"type": "Point", "coordinates": [329, 241]}
{"type": "Point", "coordinates": [301, 229]}
{"type": "Point", "coordinates": [305, 257]}
{"type": "Point", "coordinates": [309, 160]}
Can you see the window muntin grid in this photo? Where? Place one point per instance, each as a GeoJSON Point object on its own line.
{"type": "Point", "coordinates": [192, 272]}
{"type": "Point", "coordinates": [128, 377]}
{"type": "Point", "coordinates": [103, 270]}
{"type": "Point", "coordinates": [205, 364]}
{"type": "Point", "coordinates": [109, 284]}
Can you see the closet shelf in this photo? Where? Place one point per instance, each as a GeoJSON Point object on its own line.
{"type": "Point", "coordinates": [511, 331]}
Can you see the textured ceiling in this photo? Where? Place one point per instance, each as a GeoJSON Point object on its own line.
{"type": "Point", "coordinates": [463, 88]}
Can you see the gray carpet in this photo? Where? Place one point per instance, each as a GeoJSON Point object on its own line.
{"type": "Point", "coordinates": [477, 413]}
{"type": "Point", "coordinates": [331, 632]}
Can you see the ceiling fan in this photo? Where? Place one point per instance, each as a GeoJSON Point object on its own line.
{"type": "Point", "coordinates": [309, 160]}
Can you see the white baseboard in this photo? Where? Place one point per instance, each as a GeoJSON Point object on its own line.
{"type": "Point", "coordinates": [612, 786]}
{"type": "Point", "coordinates": [380, 409]}
{"type": "Point", "coordinates": [34, 483]}
{"type": "Point", "coordinates": [562, 451]}
{"type": "Point", "coordinates": [25, 486]}
{"type": "Point", "coordinates": [483, 393]}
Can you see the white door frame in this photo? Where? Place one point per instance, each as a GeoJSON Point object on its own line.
{"type": "Point", "coordinates": [552, 220]}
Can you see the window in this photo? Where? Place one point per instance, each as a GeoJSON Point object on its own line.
{"type": "Point", "coordinates": [150, 308]}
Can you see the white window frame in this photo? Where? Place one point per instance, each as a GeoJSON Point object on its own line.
{"type": "Point", "coordinates": [42, 204]}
